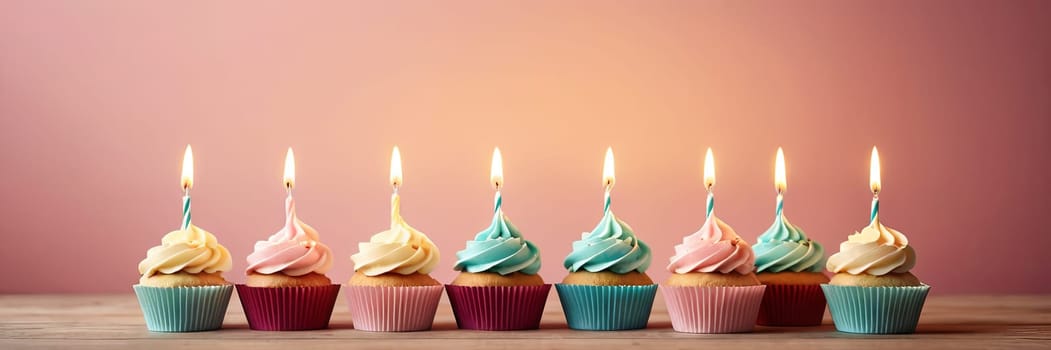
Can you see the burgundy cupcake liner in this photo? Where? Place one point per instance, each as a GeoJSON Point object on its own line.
{"type": "Point", "coordinates": [498, 308]}
{"type": "Point", "coordinates": [288, 308]}
{"type": "Point", "coordinates": [792, 306]}
{"type": "Point", "coordinates": [393, 309]}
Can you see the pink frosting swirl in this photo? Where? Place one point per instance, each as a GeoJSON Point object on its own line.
{"type": "Point", "coordinates": [713, 248]}
{"type": "Point", "coordinates": [294, 250]}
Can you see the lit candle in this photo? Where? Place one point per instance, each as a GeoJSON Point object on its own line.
{"type": "Point", "coordinates": [187, 184]}
{"type": "Point", "coordinates": [709, 180]}
{"type": "Point", "coordinates": [290, 171]}
{"type": "Point", "coordinates": [608, 176]}
{"type": "Point", "coordinates": [396, 181]}
{"type": "Point", "coordinates": [780, 180]}
{"type": "Point", "coordinates": [290, 183]}
{"type": "Point", "coordinates": [395, 169]}
{"type": "Point", "coordinates": [496, 176]}
{"type": "Point", "coordinates": [874, 182]}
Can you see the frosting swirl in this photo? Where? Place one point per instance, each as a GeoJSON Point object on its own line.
{"type": "Point", "coordinates": [713, 248]}
{"type": "Point", "coordinates": [499, 248]}
{"type": "Point", "coordinates": [876, 250]}
{"type": "Point", "coordinates": [611, 246]}
{"type": "Point", "coordinates": [784, 247]}
{"type": "Point", "coordinates": [293, 251]}
{"type": "Point", "coordinates": [402, 249]}
{"type": "Point", "coordinates": [192, 250]}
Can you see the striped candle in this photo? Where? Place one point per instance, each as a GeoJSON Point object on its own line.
{"type": "Point", "coordinates": [187, 184]}
{"type": "Point", "coordinates": [185, 212]}
{"type": "Point", "coordinates": [875, 209]}
{"type": "Point", "coordinates": [710, 205]}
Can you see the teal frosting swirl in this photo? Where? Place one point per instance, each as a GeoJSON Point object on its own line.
{"type": "Point", "coordinates": [784, 247]}
{"type": "Point", "coordinates": [499, 248]}
{"type": "Point", "coordinates": [610, 246]}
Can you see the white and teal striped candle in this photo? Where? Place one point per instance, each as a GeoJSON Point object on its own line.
{"type": "Point", "coordinates": [187, 184]}
{"type": "Point", "coordinates": [780, 181]}
{"type": "Point", "coordinates": [875, 183]}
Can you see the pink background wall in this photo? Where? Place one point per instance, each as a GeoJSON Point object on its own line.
{"type": "Point", "coordinates": [99, 98]}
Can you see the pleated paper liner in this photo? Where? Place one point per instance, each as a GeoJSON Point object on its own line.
{"type": "Point", "coordinates": [792, 306]}
{"type": "Point", "coordinates": [288, 308]}
{"type": "Point", "coordinates": [393, 309]}
{"type": "Point", "coordinates": [875, 310]}
{"type": "Point", "coordinates": [713, 309]}
{"type": "Point", "coordinates": [183, 309]}
{"type": "Point", "coordinates": [498, 308]}
{"type": "Point", "coordinates": [606, 308]}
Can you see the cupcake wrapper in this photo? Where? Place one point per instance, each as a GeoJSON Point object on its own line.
{"type": "Point", "coordinates": [713, 309]}
{"type": "Point", "coordinates": [184, 309]}
{"type": "Point", "coordinates": [792, 306]}
{"type": "Point", "coordinates": [393, 309]}
{"type": "Point", "coordinates": [875, 310]}
{"type": "Point", "coordinates": [288, 308]}
{"type": "Point", "coordinates": [606, 308]}
{"type": "Point", "coordinates": [498, 308]}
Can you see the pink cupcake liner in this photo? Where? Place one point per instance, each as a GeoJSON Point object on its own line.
{"type": "Point", "coordinates": [792, 305]}
{"type": "Point", "coordinates": [288, 308]}
{"type": "Point", "coordinates": [498, 308]}
{"type": "Point", "coordinates": [713, 309]}
{"type": "Point", "coordinates": [393, 309]}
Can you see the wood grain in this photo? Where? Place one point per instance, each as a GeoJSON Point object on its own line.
{"type": "Point", "coordinates": [114, 321]}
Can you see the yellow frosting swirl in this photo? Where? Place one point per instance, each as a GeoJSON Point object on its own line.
{"type": "Point", "coordinates": [401, 249]}
{"type": "Point", "coordinates": [876, 250]}
{"type": "Point", "coordinates": [192, 250]}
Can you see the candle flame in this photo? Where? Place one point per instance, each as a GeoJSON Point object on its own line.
{"type": "Point", "coordinates": [496, 171]}
{"type": "Point", "coordinates": [290, 169]}
{"type": "Point", "coordinates": [780, 180]}
{"type": "Point", "coordinates": [395, 167]}
{"type": "Point", "coordinates": [187, 168]}
{"type": "Point", "coordinates": [608, 176]}
{"type": "Point", "coordinates": [874, 176]}
{"type": "Point", "coordinates": [709, 169]}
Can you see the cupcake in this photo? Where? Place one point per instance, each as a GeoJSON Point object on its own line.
{"type": "Point", "coordinates": [712, 288]}
{"type": "Point", "coordinates": [498, 287]}
{"type": "Point", "coordinates": [391, 290]}
{"type": "Point", "coordinates": [872, 290]}
{"type": "Point", "coordinates": [790, 265]}
{"type": "Point", "coordinates": [182, 288]}
{"type": "Point", "coordinates": [286, 287]}
{"type": "Point", "coordinates": [607, 287]}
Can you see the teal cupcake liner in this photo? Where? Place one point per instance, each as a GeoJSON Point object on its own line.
{"type": "Point", "coordinates": [875, 310]}
{"type": "Point", "coordinates": [606, 308]}
{"type": "Point", "coordinates": [184, 309]}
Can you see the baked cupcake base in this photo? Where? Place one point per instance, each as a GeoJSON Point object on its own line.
{"type": "Point", "coordinates": [875, 310]}
{"type": "Point", "coordinates": [184, 309]}
{"type": "Point", "coordinates": [288, 308]}
{"type": "Point", "coordinates": [606, 308]}
{"type": "Point", "coordinates": [707, 309]}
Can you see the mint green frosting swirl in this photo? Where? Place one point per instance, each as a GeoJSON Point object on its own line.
{"type": "Point", "coordinates": [611, 246]}
{"type": "Point", "coordinates": [500, 249]}
{"type": "Point", "coordinates": [784, 247]}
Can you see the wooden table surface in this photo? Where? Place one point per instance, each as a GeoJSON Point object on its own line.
{"type": "Point", "coordinates": [115, 321]}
